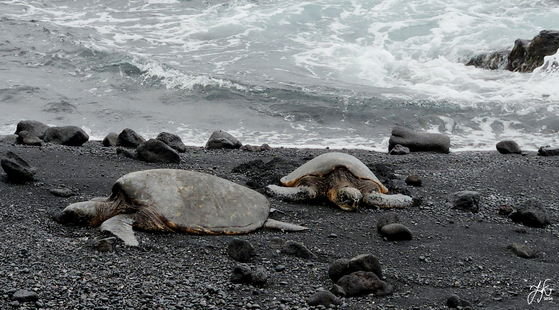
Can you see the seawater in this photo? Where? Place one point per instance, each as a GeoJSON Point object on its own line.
{"type": "Point", "coordinates": [287, 73]}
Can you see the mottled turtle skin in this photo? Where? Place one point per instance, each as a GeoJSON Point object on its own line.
{"type": "Point", "coordinates": [173, 200]}
{"type": "Point", "coordinates": [340, 177]}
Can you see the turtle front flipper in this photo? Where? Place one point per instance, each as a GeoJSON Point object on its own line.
{"type": "Point", "coordinates": [121, 226]}
{"type": "Point", "coordinates": [387, 201]}
{"type": "Point", "coordinates": [298, 193]}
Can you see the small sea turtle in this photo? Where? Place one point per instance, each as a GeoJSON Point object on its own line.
{"type": "Point", "coordinates": [173, 200]}
{"type": "Point", "coordinates": [340, 177]}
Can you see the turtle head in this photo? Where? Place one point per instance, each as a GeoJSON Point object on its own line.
{"type": "Point", "coordinates": [347, 198]}
{"type": "Point", "coordinates": [78, 214]}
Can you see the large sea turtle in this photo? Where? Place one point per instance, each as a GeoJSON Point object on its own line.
{"type": "Point", "coordinates": [173, 200]}
{"type": "Point", "coordinates": [341, 178]}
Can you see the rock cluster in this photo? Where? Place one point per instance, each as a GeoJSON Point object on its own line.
{"type": "Point", "coordinates": [358, 276]}
{"type": "Point", "coordinates": [34, 133]}
{"type": "Point", "coordinates": [525, 56]}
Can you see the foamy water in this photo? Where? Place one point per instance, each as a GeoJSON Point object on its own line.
{"type": "Point", "coordinates": [312, 73]}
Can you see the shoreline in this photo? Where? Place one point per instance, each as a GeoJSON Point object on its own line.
{"type": "Point", "coordinates": [452, 251]}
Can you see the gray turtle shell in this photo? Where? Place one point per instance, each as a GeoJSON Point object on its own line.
{"type": "Point", "coordinates": [194, 202]}
{"type": "Point", "coordinates": [326, 163]}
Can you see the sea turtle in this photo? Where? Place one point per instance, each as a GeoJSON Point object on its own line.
{"type": "Point", "coordinates": [341, 178]}
{"type": "Point", "coordinates": [173, 200]}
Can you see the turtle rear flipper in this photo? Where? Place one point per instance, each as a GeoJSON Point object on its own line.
{"type": "Point", "coordinates": [121, 226]}
{"type": "Point", "coordinates": [298, 193]}
{"type": "Point", "coordinates": [388, 201]}
{"type": "Point", "coordinates": [273, 224]}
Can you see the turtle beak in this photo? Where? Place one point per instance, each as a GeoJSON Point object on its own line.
{"type": "Point", "coordinates": [78, 214]}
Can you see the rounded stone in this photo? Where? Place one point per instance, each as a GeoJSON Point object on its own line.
{"type": "Point", "coordinates": [396, 232]}
{"type": "Point", "coordinates": [414, 180]}
{"type": "Point", "coordinates": [241, 250]}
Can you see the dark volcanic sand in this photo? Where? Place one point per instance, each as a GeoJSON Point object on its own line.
{"type": "Point", "coordinates": [452, 251]}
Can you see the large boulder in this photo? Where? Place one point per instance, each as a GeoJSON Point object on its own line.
{"type": "Point", "coordinates": [66, 135]}
{"type": "Point", "coordinates": [419, 142]}
{"type": "Point", "coordinates": [110, 139]}
{"type": "Point", "coordinates": [173, 141]}
{"type": "Point", "coordinates": [129, 138]}
{"type": "Point", "coordinates": [528, 55]}
{"type": "Point", "coordinates": [155, 151]}
{"type": "Point", "coordinates": [33, 127]}
{"type": "Point", "coordinates": [508, 147]}
{"type": "Point", "coordinates": [222, 140]}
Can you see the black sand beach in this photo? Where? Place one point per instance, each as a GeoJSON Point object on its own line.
{"type": "Point", "coordinates": [452, 251]}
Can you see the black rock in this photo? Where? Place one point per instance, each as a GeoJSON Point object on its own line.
{"type": "Point", "coordinates": [531, 214]}
{"type": "Point", "coordinates": [17, 169]}
{"type": "Point", "coordinates": [399, 149]}
{"type": "Point", "coordinates": [255, 148]}
{"type": "Point", "coordinates": [522, 250]}
{"type": "Point", "coordinates": [27, 138]}
{"type": "Point", "coordinates": [241, 250]}
{"type": "Point", "coordinates": [222, 140]}
{"type": "Point", "coordinates": [242, 273]}
{"type": "Point", "coordinates": [129, 138]}
{"type": "Point", "coordinates": [492, 61]}
{"type": "Point", "coordinates": [387, 218]}
{"type": "Point", "coordinates": [364, 262]}
{"type": "Point", "coordinates": [414, 180]}
{"type": "Point", "coordinates": [296, 249]}
{"type": "Point", "coordinates": [464, 200]}
{"type": "Point", "coordinates": [508, 147]}
{"type": "Point", "coordinates": [25, 296]}
{"type": "Point", "coordinates": [110, 139]}
{"type": "Point", "coordinates": [66, 135]}
{"type": "Point", "coordinates": [324, 298]}
{"type": "Point", "coordinates": [259, 276]}
{"type": "Point", "coordinates": [172, 140]}
{"type": "Point", "coordinates": [155, 151]}
{"type": "Point", "coordinates": [548, 151]}
{"type": "Point", "coordinates": [396, 232]}
{"type": "Point", "coordinates": [419, 142]}
{"type": "Point", "coordinates": [33, 127]}
{"type": "Point", "coordinates": [454, 301]}
{"type": "Point", "coordinates": [527, 55]}
{"type": "Point", "coordinates": [363, 283]}
{"type": "Point", "coordinates": [105, 244]}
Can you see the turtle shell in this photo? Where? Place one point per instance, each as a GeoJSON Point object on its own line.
{"type": "Point", "coordinates": [194, 202]}
{"type": "Point", "coordinates": [326, 163]}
